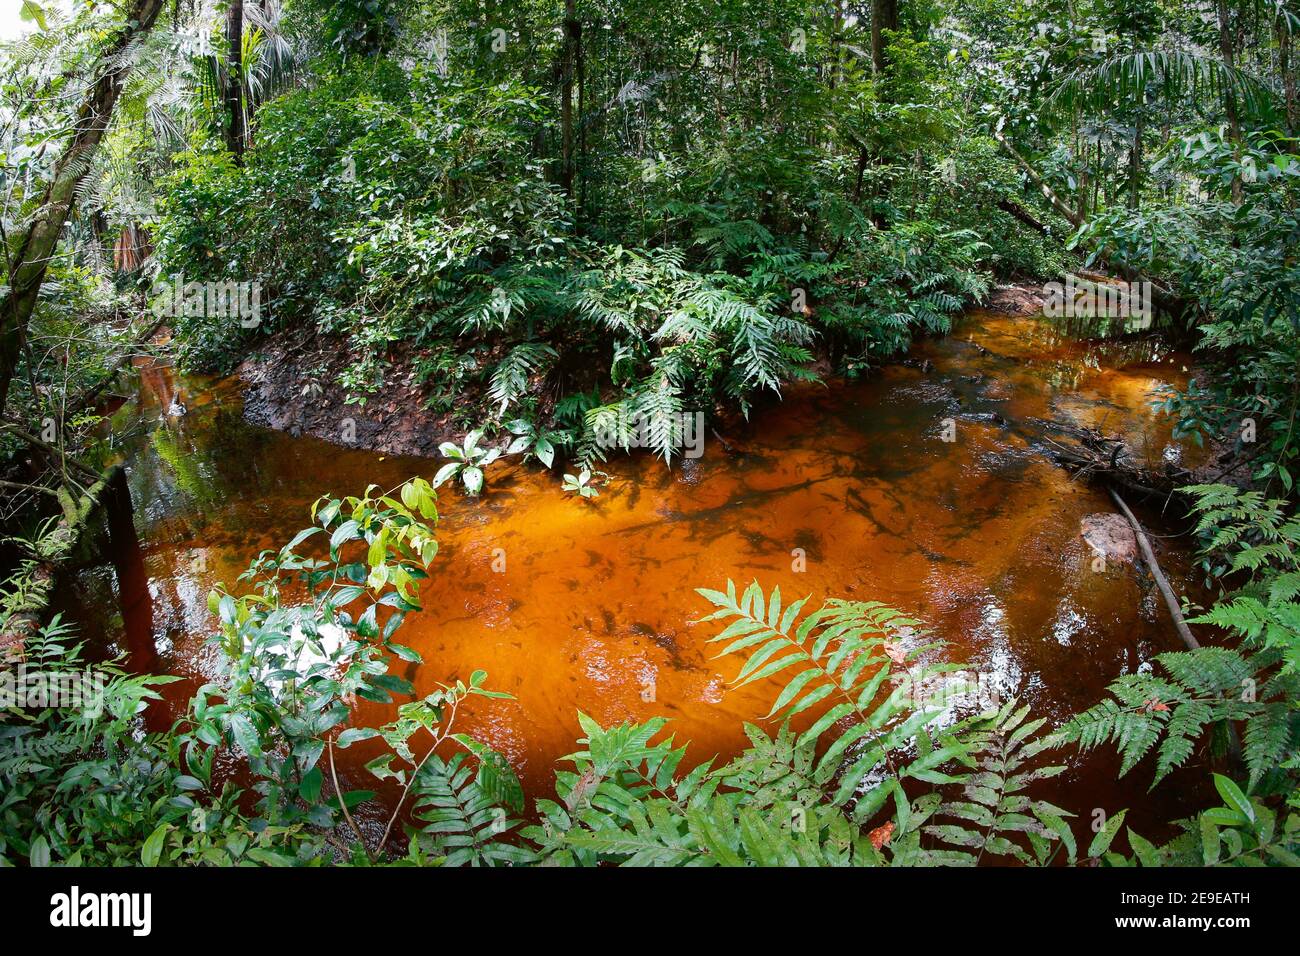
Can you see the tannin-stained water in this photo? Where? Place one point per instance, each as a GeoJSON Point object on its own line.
{"type": "Point", "coordinates": [844, 491]}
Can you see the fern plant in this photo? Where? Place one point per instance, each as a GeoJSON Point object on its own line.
{"type": "Point", "coordinates": [1257, 538]}
{"type": "Point", "coordinates": [510, 377]}
{"type": "Point", "coordinates": [830, 787]}
{"type": "Point", "coordinates": [1201, 689]}
{"type": "Point", "coordinates": [842, 660]}
{"type": "Point", "coordinates": [995, 802]}
{"type": "Point", "coordinates": [462, 814]}
{"type": "Point", "coordinates": [1214, 688]}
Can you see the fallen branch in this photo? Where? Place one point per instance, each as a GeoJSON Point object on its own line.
{"type": "Point", "coordinates": [19, 432]}
{"type": "Point", "coordinates": [1091, 455]}
{"type": "Point", "coordinates": [1164, 298]}
{"type": "Point", "coordinates": [1171, 599]}
{"type": "Point", "coordinates": [19, 486]}
{"type": "Point", "coordinates": [1019, 212]}
{"type": "Point", "coordinates": [1048, 193]}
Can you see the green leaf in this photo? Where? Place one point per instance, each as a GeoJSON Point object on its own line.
{"type": "Point", "coordinates": [1144, 849]}
{"type": "Point", "coordinates": [344, 532]}
{"type": "Point", "coordinates": [406, 653]}
{"type": "Point", "coordinates": [151, 852]}
{"type": "Point", "coordinates": [1101, 842]}
{"type": "Point", "coordinates": [1233, 797]}
{"type": "Point", "coordinates": [351, 798]}
{"type": "Point", "coordinates": [32, 12]}
{"type": "Point", "coordinates": [298, 539]}
{"type": "Point", "coordinates": [445, 473]}
{"type": "Point", "coordinates": [1210, 844]}
{"type": "Point", "coordinates": [39, 853]}
{"type": "Point", "coordinates": [354, 734]}
{"type": "Point", "coordinates": [378, 551]}
{"type": "Point", "coordinates": [309, 788]}
{"type": "Point", "coordinates": [367, 626]}
{"type": "Point", "coordinates": [246, 735]}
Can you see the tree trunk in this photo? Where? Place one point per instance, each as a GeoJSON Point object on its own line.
{"type": "Point", "coordinates": [582, 131]}
{"type": "Point", "coordinates": [884, 16]}
{"type": "Point", "coordinates": [1288, 75]}
{"type": "Point", "coordinates": [572, 31]}
{"type": "Point", "coordinates": [132, 248]}
{"type": "Point", "coordinates": [34, 245]}
{"type": "Point", "coordinates": [235, 79]}
{"type": "Point", "coordinates": [1075, 219]}
{"type": "Point", "coordinates": [1135, 166]}
{"type": "Point", "coordinates": [1226, 50]}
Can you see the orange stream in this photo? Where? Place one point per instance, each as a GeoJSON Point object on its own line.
{"type": "Point", "coordinates": [978, 537]}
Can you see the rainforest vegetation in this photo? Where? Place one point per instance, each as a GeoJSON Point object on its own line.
{"type": "Point", "coordinates": [550, 232]}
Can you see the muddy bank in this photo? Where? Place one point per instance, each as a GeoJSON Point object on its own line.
{"type": "Point", "coordinates": [1017, 298]}
{"type": "Point", "coordinates": [292, 384]}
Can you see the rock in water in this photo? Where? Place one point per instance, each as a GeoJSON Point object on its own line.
{"type": "Point", "coordinates": [1111, 535]}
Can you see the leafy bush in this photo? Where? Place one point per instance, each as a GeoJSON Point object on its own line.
{"type": "Point", "coordinates": [86, 787]}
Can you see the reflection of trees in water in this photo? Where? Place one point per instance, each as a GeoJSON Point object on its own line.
{"type": "Point", "coordinates": [188, 477]}
{"type": "Point", "coordinates": [211, 458]}
{"type": "Point", "coordinates": [134, 598]}
{"type": "Point", "coordinates": [191, 447]}
{"type": "Point", "coordinates": [157, 386]}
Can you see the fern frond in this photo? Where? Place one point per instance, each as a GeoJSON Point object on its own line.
{"type": "Point", "coordinates": [459, 819]}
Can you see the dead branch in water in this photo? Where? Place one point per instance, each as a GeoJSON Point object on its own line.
{"type": "Point", "coordinates": [1167, 592]}
{"type": "Point", "coordinates": [1172, 603]}
{"type": "Point", "coordinates": [1091, 455]}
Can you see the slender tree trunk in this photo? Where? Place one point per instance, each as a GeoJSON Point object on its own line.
{"type": "Point", "coordinates": [1284, 67]}
{"type": "Point", "coordinates": [1135, 166]}
{"type": "Point", "coordinates": [235, 78]}
{"type": "Point", "coordinates": [582, 129]}
{"type": "Point", "coordinates": [1074, 218]}
{"type": "Point", "coordinates": [34, 245]}
{"type": "Point", "coordinates": [1081, 171]}
{"type": "Point", "coordinates": [884, 16]}
{"type": "Point", "coordinates": [572, 31]}
{"type": "Point", "coordinates": [1226, 50]}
